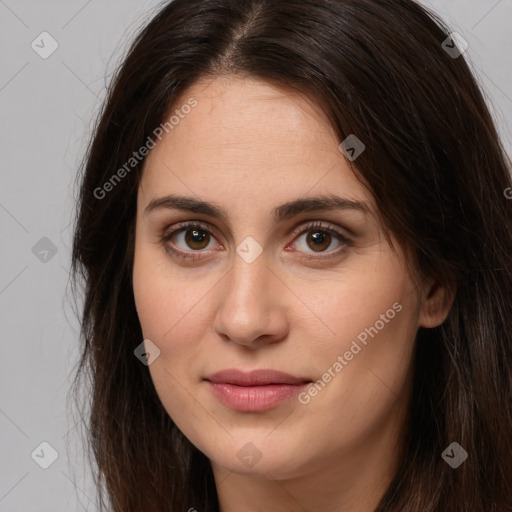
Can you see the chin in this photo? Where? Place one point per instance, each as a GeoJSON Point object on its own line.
{"type": "Point", "coordinates": [266, 458]}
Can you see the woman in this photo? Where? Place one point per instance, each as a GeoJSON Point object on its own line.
{"type": "Point", "coordinates": [294, 239]}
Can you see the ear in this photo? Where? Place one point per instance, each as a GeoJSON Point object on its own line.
{"type": "Point", "coordinates": [437, 300]}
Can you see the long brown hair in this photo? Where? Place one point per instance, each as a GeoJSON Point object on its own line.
{"type": "Point", "coordinates": [438, 172]}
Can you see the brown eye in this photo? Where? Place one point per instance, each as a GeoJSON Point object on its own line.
{"type": "Point", "coordinates": [195, 238]}
{"type": "Point", "coordinates": [188, 240]}
{"type": "Point", "coordinates": [315, 241]}
{"type": "Point", "coordinates": [191, 240]}
{"type": "Point", "coordinates": [318, 240]}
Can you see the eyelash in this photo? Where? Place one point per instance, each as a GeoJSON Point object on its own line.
{"type": "Point", "coordinates": [194, 255]}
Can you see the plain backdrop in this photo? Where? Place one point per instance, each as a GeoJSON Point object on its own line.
{"type": "Point", "coordinates": [47, 108]}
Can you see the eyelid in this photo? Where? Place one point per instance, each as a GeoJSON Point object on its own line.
{"type": "Point", "coordinates": [320, 225]}
{"type": "Point", "coordinates": [181, 226]}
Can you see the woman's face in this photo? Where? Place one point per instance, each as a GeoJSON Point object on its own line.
{"type": "Point", "coordinates": [329, 304]}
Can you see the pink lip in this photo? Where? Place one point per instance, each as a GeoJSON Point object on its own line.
{"type": "Point", "coordinates": [258, 390]}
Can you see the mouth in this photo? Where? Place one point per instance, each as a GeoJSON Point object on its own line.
{"type": "Point", "coordinates": [255, 391]}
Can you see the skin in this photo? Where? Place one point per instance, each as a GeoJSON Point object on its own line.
{"type": "Point", "coordinates": [249, 146]}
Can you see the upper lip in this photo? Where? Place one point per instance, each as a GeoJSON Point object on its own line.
{"type": "Point", "coordinates": [255, 377]}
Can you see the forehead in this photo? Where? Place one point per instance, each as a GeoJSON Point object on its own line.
{"type": "Point", "coordinates": [248, 136]}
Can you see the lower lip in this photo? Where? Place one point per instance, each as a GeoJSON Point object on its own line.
{"type": "Point", "coordinates": [254, 398]}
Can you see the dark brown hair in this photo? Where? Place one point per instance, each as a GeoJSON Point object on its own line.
{"type": "Point", "coordinates": [437, 170]}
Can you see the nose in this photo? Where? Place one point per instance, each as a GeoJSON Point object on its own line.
{"type": "Point", "coordinates": [251, 304]}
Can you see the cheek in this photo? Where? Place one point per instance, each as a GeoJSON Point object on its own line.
{"type": "Point", "coordinates": [166, 309]}
{"type": "Point", "coordinates": [172, 309]}
{"type": "Point", "coordinates": [166, 313]}
{"type": "Point", "coordinates": [364, 364]}
{"type": "Point", "coordinates": [160, 299]}
{"type": "Point", "coordinates": [368, 303]}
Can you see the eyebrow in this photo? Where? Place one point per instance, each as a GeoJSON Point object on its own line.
{"type": "Point", "coordinates": [322, 203]}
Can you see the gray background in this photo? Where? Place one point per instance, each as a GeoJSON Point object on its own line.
{"type": "Point", "coordinates": [47, 108]}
